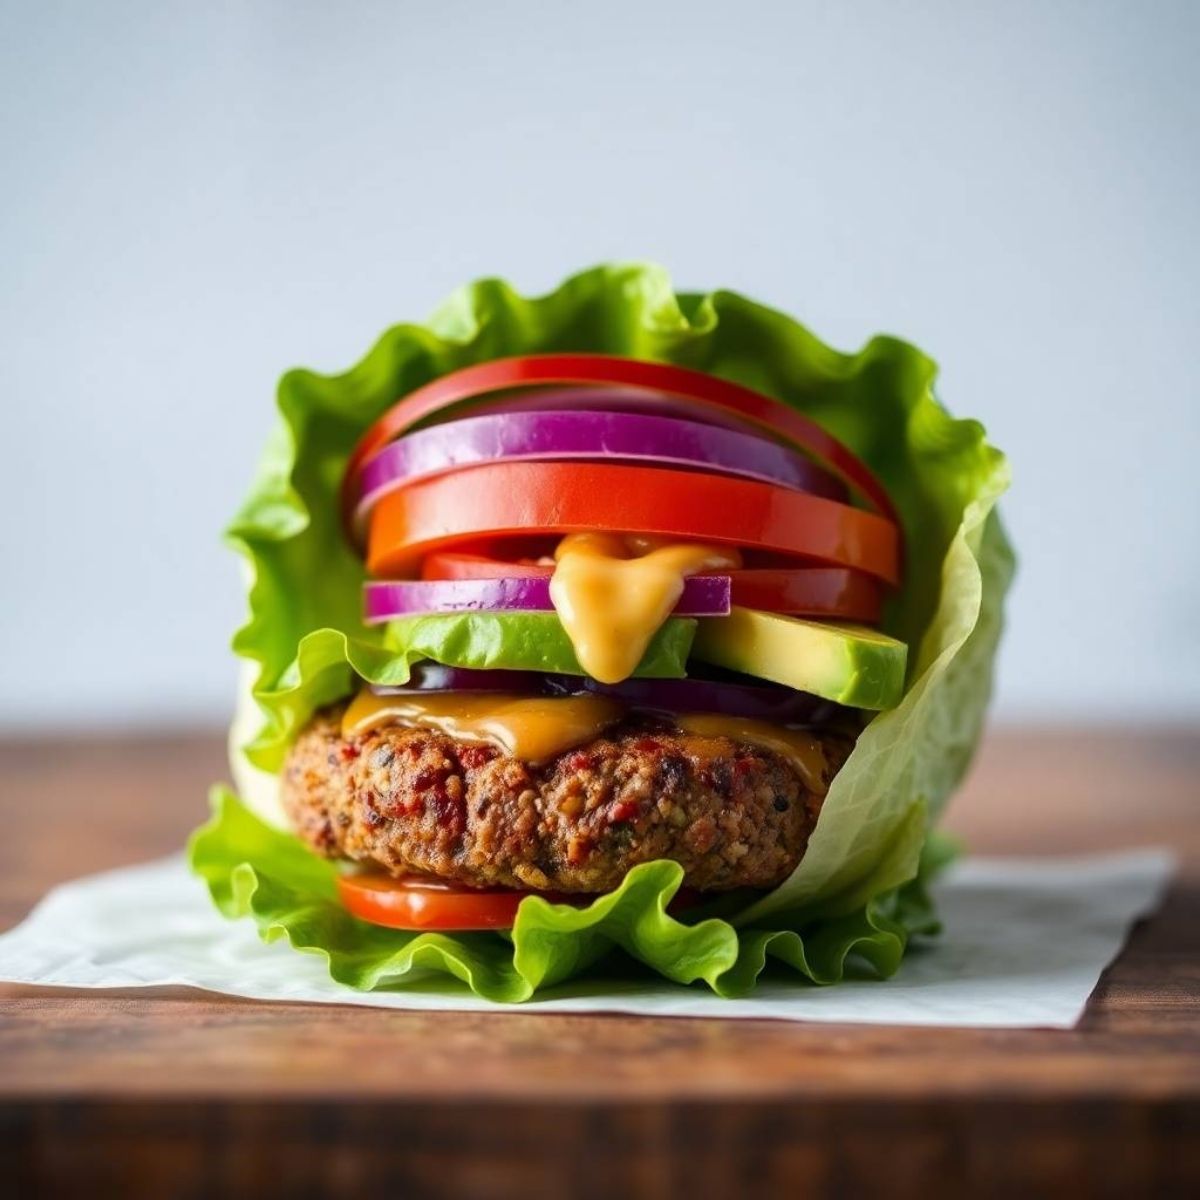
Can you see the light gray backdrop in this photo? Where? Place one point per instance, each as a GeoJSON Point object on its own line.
{"type": "Point", "coordinates": [194, 197]}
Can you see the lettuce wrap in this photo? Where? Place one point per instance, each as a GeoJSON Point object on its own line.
{"type": "Point", "coordinates": [858, 896]}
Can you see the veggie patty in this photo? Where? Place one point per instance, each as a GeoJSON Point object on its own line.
{"type": "Point", "coordinates": [404, 800]}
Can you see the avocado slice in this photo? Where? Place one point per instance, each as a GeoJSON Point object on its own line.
{"type": "Point", "coordinates": [850, 664]}
{"type": "Point", "coordinates": [525, 641]}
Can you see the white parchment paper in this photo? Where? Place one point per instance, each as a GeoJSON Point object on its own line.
{"type": "Point", "coordinates": [1025, 942]}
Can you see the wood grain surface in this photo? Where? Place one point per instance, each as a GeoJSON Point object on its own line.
{"type": "Point", "coordinates": [176, 1093]}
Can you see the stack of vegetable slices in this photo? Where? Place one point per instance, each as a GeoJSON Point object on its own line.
{"type": "Point", "coordinates": [460, 493]}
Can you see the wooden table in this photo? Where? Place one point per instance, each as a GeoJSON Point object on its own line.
{"type": "Point", "coordinates": [174, 1093]}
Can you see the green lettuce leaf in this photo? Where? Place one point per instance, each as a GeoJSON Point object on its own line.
{"type": "Point", "coordinates": [256, 871]}
{"type": "Point", "coordinates": [306, 641]}
{"type": "Point", "coordinates": [526, 641]}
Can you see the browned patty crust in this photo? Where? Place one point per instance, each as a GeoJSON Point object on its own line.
{"type": "Point", "coordinates": [733, 814]}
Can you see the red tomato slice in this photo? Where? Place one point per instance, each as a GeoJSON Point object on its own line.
{"type": "Point", "coordinates": [448, 565]}
{"type": "Point", "coordinates": [804, 592]}
{"type": "Point", "coordinates": [503, 374]}
{"type": "Point", "coordinates": [417, 903]}
{"type": "Point", "coordinates": [523, 498]}
{"type": "Point", "coordinates": [420, 903]}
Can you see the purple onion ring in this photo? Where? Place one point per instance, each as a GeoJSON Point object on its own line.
{"type": "Point", "coordinates": [385, 600]}
{"type": "Point", "coordinates": [730, 697]}
{"type": "Point", "coordinates": [555, 435]}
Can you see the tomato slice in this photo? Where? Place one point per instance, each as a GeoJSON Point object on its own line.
{"type": "Point", "coordinates": [697, 387]}
{"type": "Point", "coordinates": [417, 902]}
{"type": "Point", "coordinates": [831, 592]}
{"type": "Point", "coordinates": [523, 498]}
{"type": "Point", "coordinates": [446, 564]}
{"type": "Point", "coordinates": [422, 903]}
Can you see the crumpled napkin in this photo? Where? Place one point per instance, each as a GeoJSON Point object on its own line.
{"type": "Point", "coordinates": [1024, 944]}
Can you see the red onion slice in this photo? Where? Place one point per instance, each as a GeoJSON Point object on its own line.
{"type": "Point", "coordinates": [429, 676]}
{"type": "Point", "coordinates": [559, 434]}
{"type": "Point", "coordinates": [830, 592]}
{"type": "Point", "coordinates": [777, 704]}
{"type": "Point", "coordinates": [731, 697]}
{"type": "Point", "coordinates": [384, 600]}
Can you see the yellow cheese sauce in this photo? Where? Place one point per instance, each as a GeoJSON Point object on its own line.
{"type": "Point", "coordinates": [534, 728]}
{"type": "Point", "coordinates": [613, 592]}
{"type": "Point", "coordinates": [538, 728]}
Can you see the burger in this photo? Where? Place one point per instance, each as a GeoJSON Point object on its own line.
{"type": "Point", "coordinates": [609, 624]}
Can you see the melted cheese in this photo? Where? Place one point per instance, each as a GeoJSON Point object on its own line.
{"type": "Point", "coordinates": [539, 728]}
{"type": "Point", "coordinates": [533, 728]}
{"type": "Point", "coordinates": [612, 594]}
{"type": "Point", "coordinates": [797, 746]}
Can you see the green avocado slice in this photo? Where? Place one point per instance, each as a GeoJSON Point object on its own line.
{"type": "Point", "coordinates": [526, 641]}
{"type": "Point", "coordinates": [849, 664]}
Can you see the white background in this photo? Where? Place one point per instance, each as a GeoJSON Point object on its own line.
{"type": "Point", "coordinates": [195, 197]}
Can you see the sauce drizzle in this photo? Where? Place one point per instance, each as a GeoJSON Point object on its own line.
{"type": "Point", "coordinates": [613, 592]}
